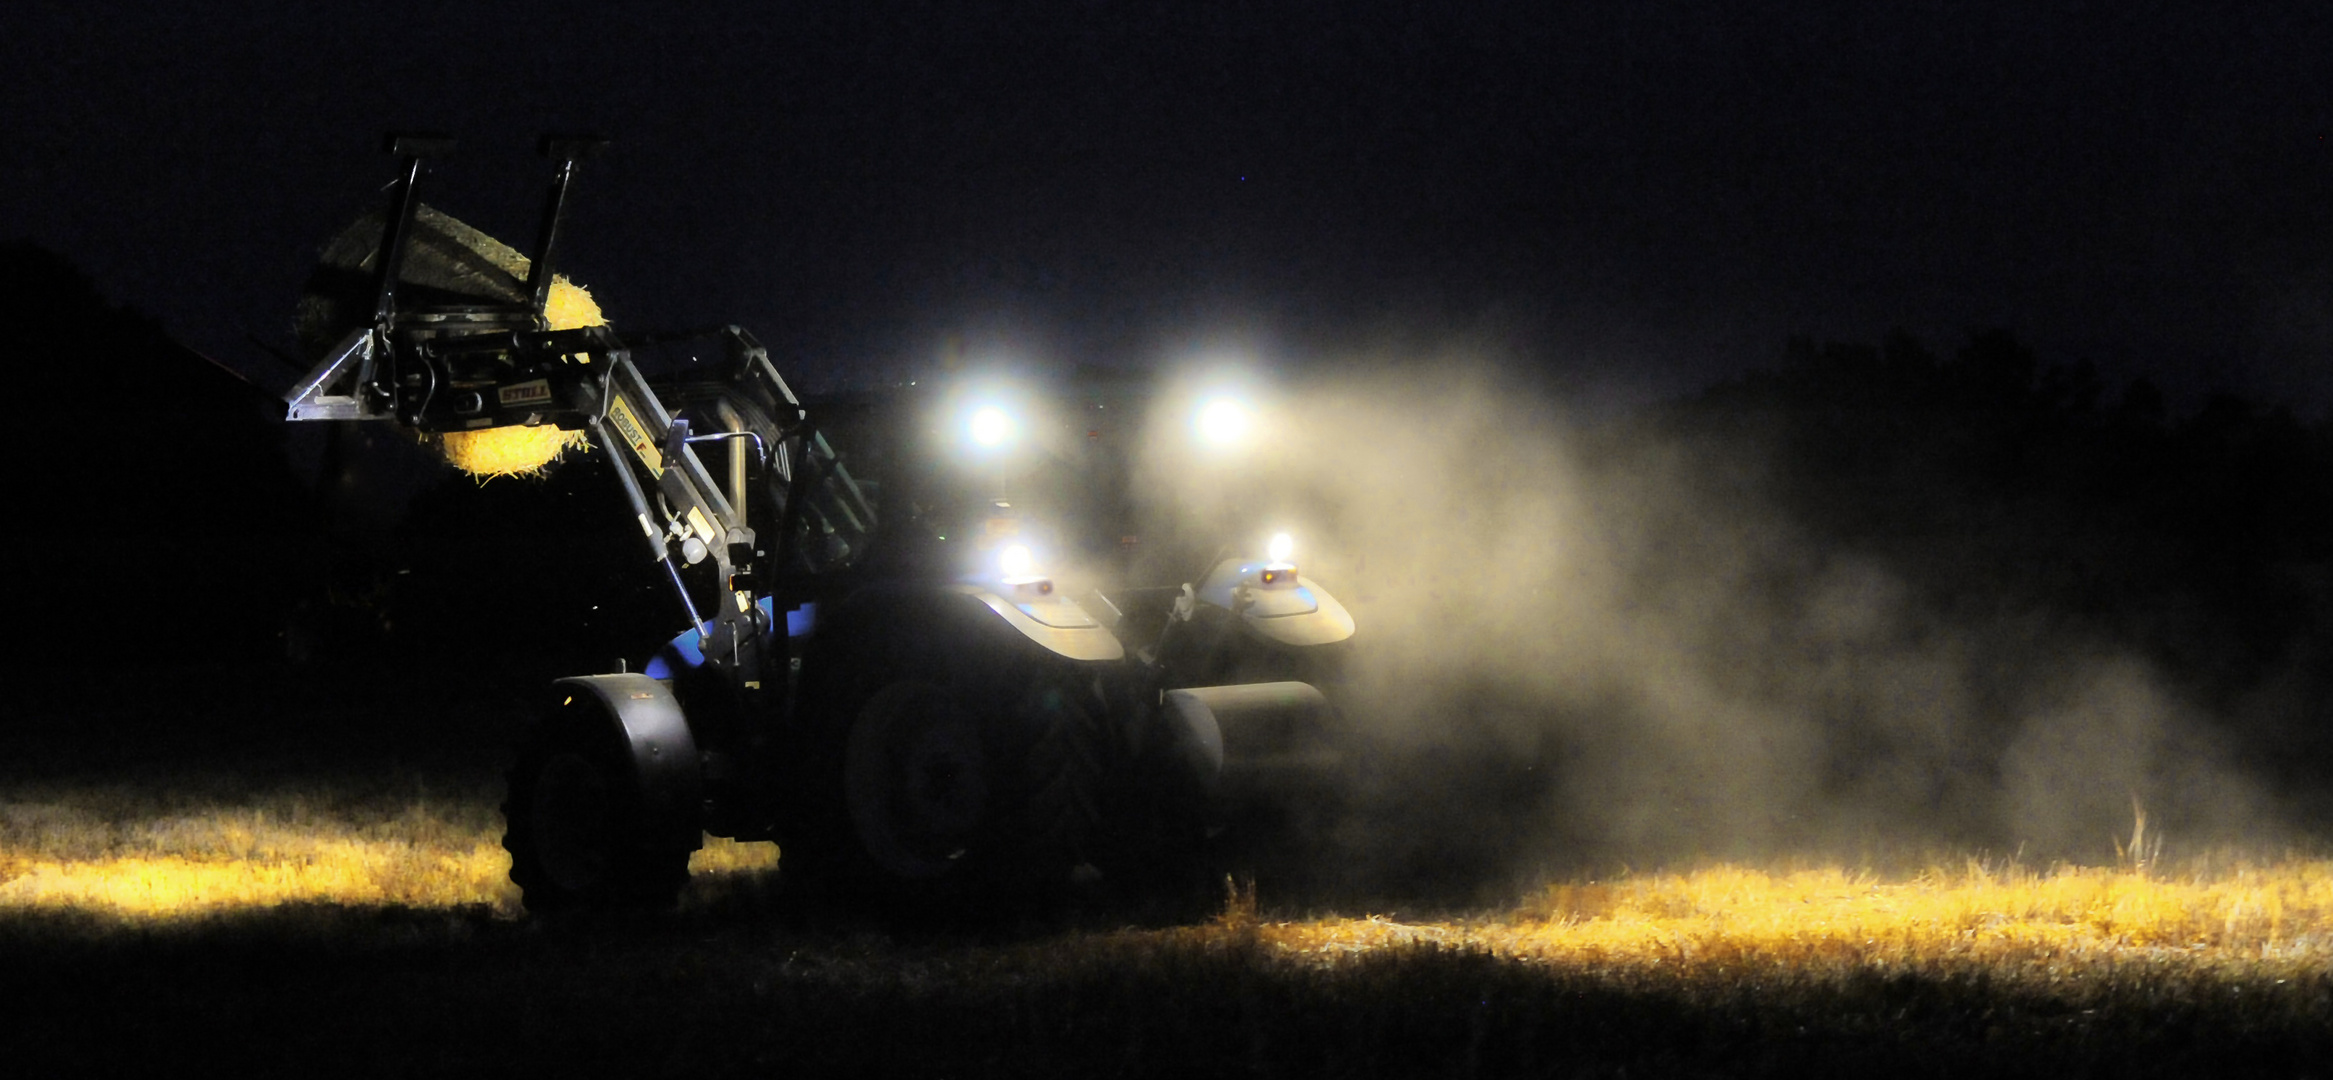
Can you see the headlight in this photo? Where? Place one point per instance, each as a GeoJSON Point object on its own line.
{"type": "Point", "coordinates": [992, 427]}
{"type": "Point", "coordinates": [1279, 573]}
{"type": "Point", "coordinates": [1020, 576]}
{"type": "Point", "coordinates": [1226, 422]}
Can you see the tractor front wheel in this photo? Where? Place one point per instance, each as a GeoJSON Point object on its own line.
{"type": "Point", "coordinates": [577, 827]}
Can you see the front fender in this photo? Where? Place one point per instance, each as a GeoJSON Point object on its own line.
{"type": "Point", "coordinates": [662, 751]}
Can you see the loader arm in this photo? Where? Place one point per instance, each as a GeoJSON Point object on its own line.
{"type": "Point", "coordinates": [475, 367]}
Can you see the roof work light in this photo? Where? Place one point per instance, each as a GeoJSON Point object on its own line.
{"type": "Point", "coordinates": [1226, 422]}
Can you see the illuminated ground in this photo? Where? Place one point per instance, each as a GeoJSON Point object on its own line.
{"type": "Point", "coordinates": [301, 895]}
{"type": "Point", "coordinates": [158, 906]}
{"type": "Point", "coordinates": [141, 857]}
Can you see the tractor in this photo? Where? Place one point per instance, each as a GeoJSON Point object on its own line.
{"type": "Point", "coordinates": [872, 664]}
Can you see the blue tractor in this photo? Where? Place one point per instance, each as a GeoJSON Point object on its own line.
{"type": "Point", "coordinates": [873, 665]}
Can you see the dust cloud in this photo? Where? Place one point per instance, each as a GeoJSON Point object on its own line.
{"type": "Point", "coordinates": [1592, 644]}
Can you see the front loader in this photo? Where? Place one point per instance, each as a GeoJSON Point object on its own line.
{"type": "Point", "coordinates": [918, 719]}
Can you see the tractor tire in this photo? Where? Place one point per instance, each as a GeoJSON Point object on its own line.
{"type": "Point", "coordinates": [894, 805]}
{"type": "Point", "coordinates": [577, 827]}
{"type": "Point", "coordinates": [1153, 846]}
{"type": "Point", "coordinates": [946, 771]}
{"type": "Point", "coordinates": [917, 781]}
{"type": "Point", "coordinates": [1064, 768]}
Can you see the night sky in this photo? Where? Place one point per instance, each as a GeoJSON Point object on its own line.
{"type": "Point", "coordinates": [1636, 199]}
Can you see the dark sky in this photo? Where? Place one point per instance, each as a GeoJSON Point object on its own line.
{"type": "Point", "coordinates": [1640, 196]}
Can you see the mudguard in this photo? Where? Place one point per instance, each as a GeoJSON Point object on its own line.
{"type": "Point", "coordinates": [1053, 621]}
{"type": "Point", "coordinates": [663, 752]}
{"type": "Point", "coordinates": [1304, 615]}
{"type": "Point", "coordinates": [1253, 738]}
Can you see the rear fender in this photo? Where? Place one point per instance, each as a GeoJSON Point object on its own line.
{"type": "Point", "coordinates": [1252, 739]}
{"type": "Point", "coordinates": [1053, 621]}
{"type": "Point", "coordinates": [1303, 614]}
{"type": "Point", "coordinates": [662, 751]}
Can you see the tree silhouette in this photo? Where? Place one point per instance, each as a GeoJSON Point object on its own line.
{"type": "Point", "coordinates": [161, 521]}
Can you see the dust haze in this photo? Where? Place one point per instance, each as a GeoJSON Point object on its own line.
{"type": "Point", "coordinates": [1591, 644]}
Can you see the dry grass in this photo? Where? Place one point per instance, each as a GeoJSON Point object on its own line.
{"type": "Point", "coordinates": [371, 923]}
{"type": "Point", "coordinates": [145, 854]}
{"type": "Point", "coordinates": [2231, 914]}
{"type": "Point", "coordinates": [141, 854]}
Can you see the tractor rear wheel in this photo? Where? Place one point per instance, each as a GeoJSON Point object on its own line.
{"type": "Point", "coordinates": [1061, 717]}
{"type": "Point", "coordinates": [915, 781]}
{"type": "Point", "coordinates": [952, 806]}
{"type": "Point", "coordinates": [947, 767]}
{"type": "Point", "coordinates": [577, 827]}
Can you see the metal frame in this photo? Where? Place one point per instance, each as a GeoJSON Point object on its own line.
{"type": "Point", "coordinates": [439, 371]}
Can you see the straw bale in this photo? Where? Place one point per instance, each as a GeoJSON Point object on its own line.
{"type": "Point", "coordinates": [526, 451]}
{"type": "Point", "coordinates": [447, 262]}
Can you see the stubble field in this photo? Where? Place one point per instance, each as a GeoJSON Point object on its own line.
{"type": "Point", "coordinates": [298, 891]}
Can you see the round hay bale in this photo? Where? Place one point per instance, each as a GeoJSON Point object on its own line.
{"type": "Point", "coordinates": [526, 451]}
{"type": "Point", "coordinates": [447, 263]}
